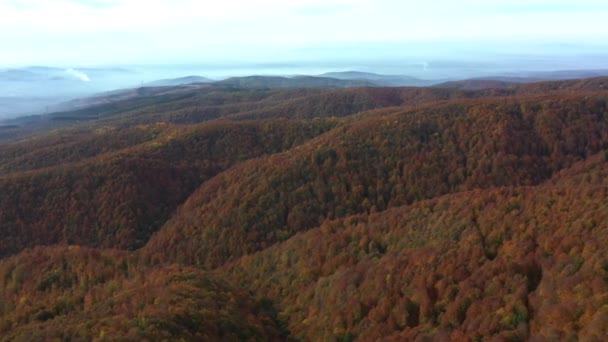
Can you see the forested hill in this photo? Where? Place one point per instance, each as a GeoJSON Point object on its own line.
{"type": "Point", "coordinates": [194, 103]}
{"type": "Point", "coordinates": [229, 213]}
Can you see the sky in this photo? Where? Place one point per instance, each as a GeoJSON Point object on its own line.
{"type": "Point", "coordinates": [117, 32]}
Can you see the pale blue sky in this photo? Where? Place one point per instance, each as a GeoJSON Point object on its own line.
{"type": "Point", "coordinates": [104, 32]}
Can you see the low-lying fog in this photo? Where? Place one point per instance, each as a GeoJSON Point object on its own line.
{"type": "Point", "coordinates": [34, 90]}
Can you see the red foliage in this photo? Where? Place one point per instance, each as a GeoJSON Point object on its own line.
{"type": "Point", "coordinates": [413, 214]}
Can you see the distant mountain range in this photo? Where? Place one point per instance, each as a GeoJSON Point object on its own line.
{"type": "Point", "coordinates": [40, 89]}
{"type": "Point", "coordinates": [179, 81]}
{"type": "Point", "coordinates": [342, 79]}
{"type": "Point", "coordinates": [184, 84]}
{"type": "Point", "coordinates": [293, 82]}
{"type": "Point", "coordinates": [380, 80]}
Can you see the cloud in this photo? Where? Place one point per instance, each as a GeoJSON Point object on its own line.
{"type": "Point", "coordinates": [323, 10]}
{"type": "Point", "coordinates": [78, 74]}
{"type": "Point", "coordinates": [110, 31]}
{"type": "Point", "coordinates": [33, 4]}
{"type": "Point", "coordinates": [97, 3]}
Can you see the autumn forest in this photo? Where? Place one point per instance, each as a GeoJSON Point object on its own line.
{"type": "Point", "coordinates": [227, 213]}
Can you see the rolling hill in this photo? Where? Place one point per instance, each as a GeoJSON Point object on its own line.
{"type": "Point", "coordinates": [249, 211]}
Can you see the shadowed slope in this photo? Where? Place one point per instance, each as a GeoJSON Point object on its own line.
{"type": "Point", "coordinates": [118, 199]}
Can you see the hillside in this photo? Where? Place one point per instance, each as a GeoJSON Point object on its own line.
{"type": "Point", "coordinates": [382, 162]}
{"type": "Point", "coordinates": [477, 84]}
{"type": "Point", "coordinates": [513, 263]}
{"type": "Point", "coordinates": [91, 193]}
{"type": "Point", "coordinates": [228, 213]}
{"type": "Point", "coordinates": [84, 294]}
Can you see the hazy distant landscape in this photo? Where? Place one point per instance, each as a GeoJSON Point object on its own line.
{"type": "Point", "coordinates": [38, 90]}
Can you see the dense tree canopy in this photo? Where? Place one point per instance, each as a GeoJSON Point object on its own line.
{"type": "Point", "coordinates": [311, 214]}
